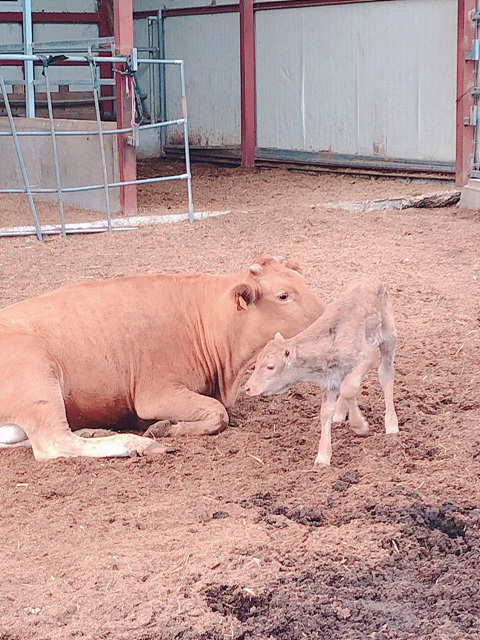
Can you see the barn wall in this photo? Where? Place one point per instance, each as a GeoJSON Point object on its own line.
{"type": "Point", "coordinates": [358, 81]}
{"type": "Point", "coordinates": [209, 45]}
{"type": "Point", "coordinates": [374, 79]}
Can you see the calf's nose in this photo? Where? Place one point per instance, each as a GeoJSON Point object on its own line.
{"type": "Point", "coordinates": [247, 390]}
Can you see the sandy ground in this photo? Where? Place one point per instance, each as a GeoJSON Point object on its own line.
{"type": "Point", "coordinates": [234, 536]}
{"type": "Point", "coordinates": [227, 189]}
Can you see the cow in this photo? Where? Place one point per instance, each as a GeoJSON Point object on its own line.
{"type": "Point", "coordinates": [336, 352]}
{"type": "Point", "coordinates": [157, 347]}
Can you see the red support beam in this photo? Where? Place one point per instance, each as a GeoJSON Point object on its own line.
{"type": "Point", "coordinates": [123, 27]}
{"type": "Point", "coordinates": [105, 30]}
{"type": "Point", "coordinates": [257, 6]}
{"type": "Point", "coordinates": [50, 17]}
{"type": "Point", "coordinates": [247, 81]}
{"type": "Point", "coordinates": [465, 82]}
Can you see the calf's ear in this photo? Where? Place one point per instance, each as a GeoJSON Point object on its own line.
{"type": "Point", "coordinates": [243, 295]}
{"type": "Point", "coordinates": [279, 337]}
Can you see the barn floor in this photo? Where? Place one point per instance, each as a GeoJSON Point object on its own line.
{"type": "Point", "coordinates": [234, 536]}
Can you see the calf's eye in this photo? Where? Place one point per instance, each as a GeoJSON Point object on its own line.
{"type": "Point", "coordinates": [270, 367]}
{"type": "Point", "coordinates": [283, 296]}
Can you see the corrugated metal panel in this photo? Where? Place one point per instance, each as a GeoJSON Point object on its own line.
{"type": "Point", "coordinates": [11, 34]}
{"type": "Point", "coordinates": [210, 46]}
{"type": "Point", "coordinates": [373, 79]}
{"type": "Point", "coordinates": [59, 32]}
{"type": "Point", "coordinates": [64, 5]}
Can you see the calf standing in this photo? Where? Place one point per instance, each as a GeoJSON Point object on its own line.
{"type": "Point", "coordinates": [335, 352]}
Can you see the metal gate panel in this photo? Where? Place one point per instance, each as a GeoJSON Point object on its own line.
{"type": "Point", "coordinates": [209, 45]}
{"type": "Point", "coordinates": [370, 79]}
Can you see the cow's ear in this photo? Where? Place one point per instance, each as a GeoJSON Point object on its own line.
{"type": "Point", "coordinates": [244, 295]}
{"type": "Point", "coordinates": [296, 266]}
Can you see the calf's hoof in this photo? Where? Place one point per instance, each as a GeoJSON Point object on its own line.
{"type": "Point", "coordinates": [361, 429]}
{"type": "Point", "coordinates": [321, 463]}
{"type": "Point", "coordinates": [391, 424]}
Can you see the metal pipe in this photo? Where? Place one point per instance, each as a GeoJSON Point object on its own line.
{"type": "Point", "coordinates": [162, 77]}
{"type": "Point", "coordinates": [95, 187]}
{"type": "Point", "coordinates": [28, 51]}
{"type": "Point", "coordinates": [86, 59]}
{"type": "Point", "coordinates": [54, 232]}
{"type": "Point", "coordinates": [93, 72]}
{"type": "Point", "coordinates": [23, 168]}
{"type": "Point", "coordinates": [191, 215]}
{"type": "Point", "coordinates": [151, 77]}
{"type": "Point", "coordinates": [95, 133]}
{"type": "Point", "coordinates": [55, 151]}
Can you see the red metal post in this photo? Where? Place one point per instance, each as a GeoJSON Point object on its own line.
{"type": "Point", "coordinates": [247, 81]}
{"type": "Point", "coordinates": [105, 30]}
{"type": "Point", "coordinates": [465, 83]}
{"type": "Point", "coordinates": [123, 27]}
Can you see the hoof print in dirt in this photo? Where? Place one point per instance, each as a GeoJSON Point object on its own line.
{"type": "Point", "coordinates": [301, 515]}
{"type": "Point", "coordinates": [346, 480]}
{"type": "Point", "coordinates": [235, 601]}
{"type": "Point", "coordinates": [219, 515]}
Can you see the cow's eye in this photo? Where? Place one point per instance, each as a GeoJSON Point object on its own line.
{"type": "Point", "coordinates": [283, 296]}
{"type": "Point", "coordinates": [270, 367]}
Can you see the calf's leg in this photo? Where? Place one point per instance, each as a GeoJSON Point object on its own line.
{"type": "Point", "coordinates": [324, 454]}
{"type": "Point", "coordinates": [192, 413]}
{"type": "Point", "coordinates": [386, 374]}
{"type": "Point", "coordinates": [349, 390]}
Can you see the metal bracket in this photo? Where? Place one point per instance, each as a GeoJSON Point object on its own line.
{"type": "Point", "coordinates": [473, 119]}
{"type": "Point", "coordinates": [474, 53]}
{"type": "Point", "coordinates": [133, 60]}
{"type": "Point", "coordinates": [134, 139]}
{"type": "Point", "coordinates": [476, 16]}
{"type": "Point", "coordinates": [476, 91]}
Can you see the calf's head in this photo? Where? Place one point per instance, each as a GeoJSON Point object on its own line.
{"type": "Point", "coordinates": [276, 369]}
{"type": "Point", "coordinates": [274, 297]}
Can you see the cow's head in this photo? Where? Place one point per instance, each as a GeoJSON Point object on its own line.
{"type": "Point", "coordinates": [274, 297]}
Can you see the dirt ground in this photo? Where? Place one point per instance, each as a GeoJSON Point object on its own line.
{"type": "Point", "coordinates": [234, 536]}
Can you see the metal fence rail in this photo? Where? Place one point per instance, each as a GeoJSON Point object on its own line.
{"type": "Point", "coordinates": [131, 63]}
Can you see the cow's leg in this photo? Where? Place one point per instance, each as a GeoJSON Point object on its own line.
{"type": "Point", "coordinates": [192, 413]}
{"type": "Point", "coordinates": [326, 414]}
{"type": "Point", "coordinates": [37, 409]}
{"type": "Point", "coordinates": [349, 390]}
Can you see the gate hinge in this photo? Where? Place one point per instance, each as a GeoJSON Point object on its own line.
{"type": "Point", "coordinates": [476, 16]}
{"type": "Point", "coordinates": [471, 121]}
{"type": "Point", "coordinates": [474, 53]}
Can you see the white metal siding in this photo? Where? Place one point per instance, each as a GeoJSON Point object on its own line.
{"type": "Point", "coordinates": [209, 45]}
{"type": "Point", "coordinates": [373, 79]}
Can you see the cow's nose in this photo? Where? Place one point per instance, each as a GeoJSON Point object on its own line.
{"type": "Point", "coordinates": [247, 390]}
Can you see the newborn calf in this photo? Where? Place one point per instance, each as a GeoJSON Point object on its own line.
{"type": "Point", "coordinates": [335, 352]}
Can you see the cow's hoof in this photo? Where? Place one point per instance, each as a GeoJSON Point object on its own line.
{"type": "Point", "coordinates": [155, 449]}
{"type": "Point", "coordinates": [157, 429]}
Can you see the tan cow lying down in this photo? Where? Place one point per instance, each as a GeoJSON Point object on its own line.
{"type": "Point", "coordinates": [155, 347]}
{"type": "Point", "coordinates": [336, 352]}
